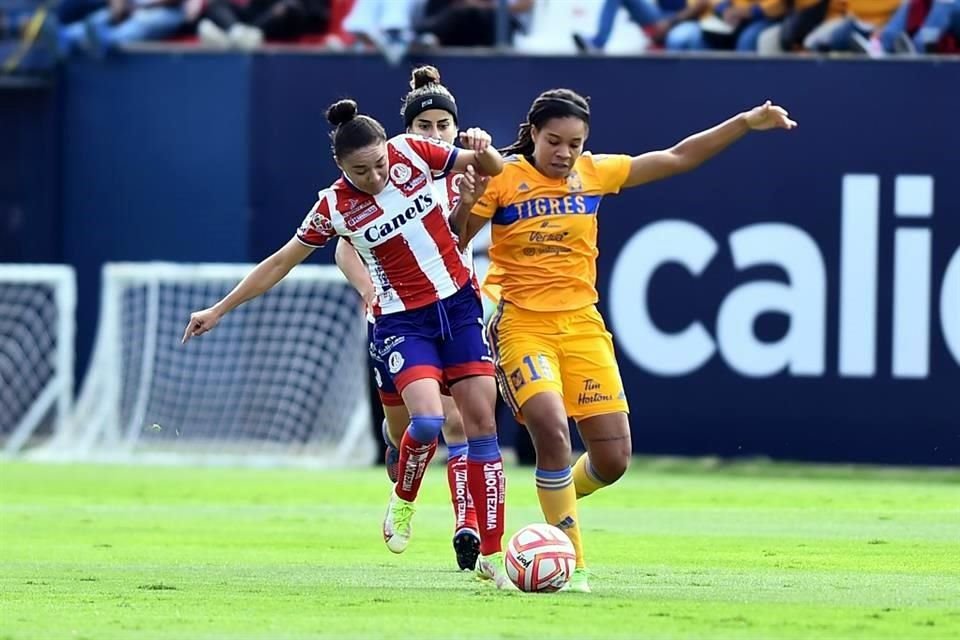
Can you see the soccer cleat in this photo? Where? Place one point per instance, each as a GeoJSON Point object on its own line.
{"type": "Point", "coordinates": [466, 544]}
{"type": "Point", "coordinates": [396, 524]}
{"type": "Point", "coordinates": [391, 457]}
{"type": "Point", "coordinates": [579, 581]}
{"type": "Point", "coordinates": [492, 568]}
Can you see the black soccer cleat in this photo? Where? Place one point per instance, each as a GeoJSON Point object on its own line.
{"type": "Point", "coordinates": [466, 544]}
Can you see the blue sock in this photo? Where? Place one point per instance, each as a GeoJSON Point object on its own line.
{"type": "Point", "coordinates": [483, 449]}
{"type": "Point", "coordinates": [553, 480]}
{"type": "Point", "coordinates": [456, 450]}
{"type": "Point", "coordinates": [425, 429]}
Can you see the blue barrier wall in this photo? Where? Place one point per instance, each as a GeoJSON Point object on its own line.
{"type": "Point", "coordinates": [798, 296]}
{"type": "Point", "coordinates": [155, 166]}
{"type": "Point", "coordinates": [29, 165]}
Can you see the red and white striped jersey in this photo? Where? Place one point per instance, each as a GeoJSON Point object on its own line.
{"type": "Point", "coordinates": [402, 233]}
{"type": "Point", "coordinates": [449, 189]}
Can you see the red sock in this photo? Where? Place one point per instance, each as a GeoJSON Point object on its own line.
{"type": "Point", "coordinates": [465, 516]}
{"type": "Point", "coordinates": [488, 488]}
{"type": "Point", "coordinates": [414, 457]}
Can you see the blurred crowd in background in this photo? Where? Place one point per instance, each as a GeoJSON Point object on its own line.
{"type": "Point", "coordinates": [395, 28]}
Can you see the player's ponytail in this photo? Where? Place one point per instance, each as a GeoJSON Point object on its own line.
{"type": "Point", "coordinates": [426, 93]}
{"type": "Point", "coordinates": [423, 76]}
{"type": "Point", "coordinates": [523, 145]}
{"type": "Point", "coordinates": [555, 103]}
{"type": "Point", "coordinates": [352, 130]}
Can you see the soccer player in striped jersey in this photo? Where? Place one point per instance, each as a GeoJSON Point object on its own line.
{"type": "Point", "coordinates": [553, 353]}
{"type": "Point", "coordinates": [429, 326]}
{"type": "Point", "coordinates": [430, 110]}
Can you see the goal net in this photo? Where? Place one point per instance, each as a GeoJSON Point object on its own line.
{"type": "Point", "coordinates": [281, 379]}
{"type": "Point", "coordinates": [37, 305]}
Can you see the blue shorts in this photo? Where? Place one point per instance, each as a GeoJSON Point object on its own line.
{"type": "Point", "coordinates": [444, 341]}
{"type": "Point", "coordinates": [389, 396]}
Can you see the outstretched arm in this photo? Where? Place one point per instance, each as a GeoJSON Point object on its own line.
{"type": "Point", "coordinates": [355, 271]}
{"type": "Point", "coordinates": [264, 276]}
{"type": "Point", "coordinates": [691, 152]}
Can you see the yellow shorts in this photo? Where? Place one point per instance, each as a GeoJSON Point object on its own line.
{"type": "Point", "coordinates": [570, 352]}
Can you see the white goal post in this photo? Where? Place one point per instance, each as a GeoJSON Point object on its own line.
{"type": "Point", "coordinates": [37, 304]}
{"type": "Point", "coordinates": [281, 380]}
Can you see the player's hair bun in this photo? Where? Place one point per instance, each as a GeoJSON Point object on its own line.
{"type": "Point", "coordinates": [341, 111]}
{"type": "Point", "coordinates": [422, 76]}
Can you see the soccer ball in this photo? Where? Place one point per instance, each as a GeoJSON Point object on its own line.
{"type": "Point", "coordinates": [540, 558]}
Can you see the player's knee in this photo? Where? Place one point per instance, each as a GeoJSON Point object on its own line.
{"type": "Point", "coordinates": [425, 428]}
{"type": "Point", "coordinates": [551, 440]}
{"type": "Point", "coordinates": [611, 462]}
{"type": "Point", "coordinates": [477, 419]}
{"type": "Point", "coordinates": [481, 425]}
{"type": "Point", "coordinates": [611, 467]}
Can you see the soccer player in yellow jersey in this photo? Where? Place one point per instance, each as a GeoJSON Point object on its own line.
{"type": "Point", "coordinates": [553, 353]}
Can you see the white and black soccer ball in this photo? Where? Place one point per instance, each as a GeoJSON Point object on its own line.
{"type": "Point", "coordinates": [540, 558]}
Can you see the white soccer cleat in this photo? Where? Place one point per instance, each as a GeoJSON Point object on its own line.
{"type": "Point", "coordinates": [491, 568]}
{"type": "Point", "coordinates": [397, 527]}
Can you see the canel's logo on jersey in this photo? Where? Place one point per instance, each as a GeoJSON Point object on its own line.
{"type": "Point", "coordinates": [400, 173]}
{"type": "Point", "coordinates": [421, 204]}
{"type": "Point", "coordinates": [803, 296]}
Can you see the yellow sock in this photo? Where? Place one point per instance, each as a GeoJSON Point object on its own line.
{"type": "Point", "coordinates": [585, 478]}
{"type": "Point", "coordinates": [558, 500]}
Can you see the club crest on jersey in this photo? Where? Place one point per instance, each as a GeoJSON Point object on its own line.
{"type": "Point", "coordinates": [400, 173]}
{"type": "Point", "coordinates": [455, 183]}
{"type": "Point", "coordinates": [516, 379]}
{"type": "Point", "coordinates": [321, 223]}
{"type": "Point", "coordinates": [396, 362]}
{"type": "Point", "coordinates": [574, 183]}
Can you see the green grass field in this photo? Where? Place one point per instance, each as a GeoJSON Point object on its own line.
{"type": "Point", "coordinates": [677, 550]}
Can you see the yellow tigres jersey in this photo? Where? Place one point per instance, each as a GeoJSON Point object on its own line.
{"type": "Point", "coordinates": [543, 254]}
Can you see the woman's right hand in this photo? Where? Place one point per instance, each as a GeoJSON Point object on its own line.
{"type": "Point", "coordinates": [200, 323]}
{"type": "Point", "coordinates": [369, 295]}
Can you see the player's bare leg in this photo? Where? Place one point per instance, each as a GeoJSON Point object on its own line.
{"type": "Point", "coordinates": [607, 438]}
{"type": "Point", "coordinates": [609, 449]}
{"type": "Point", "coordinates": [476, 398]}
{"type": "Point", "coordinates": [417, 446]}
{"type": "Point", "coordinates": [466, 536]}
{"type": "Point", "coordinates": [546, 419]}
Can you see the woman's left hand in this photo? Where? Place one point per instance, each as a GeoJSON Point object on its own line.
{"type": "Point", "coordinates": [472, 187]}
{"type": "Point", "coordinates": [769, 116]}
{"type": "Point", "coordinates": [475, 139]}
